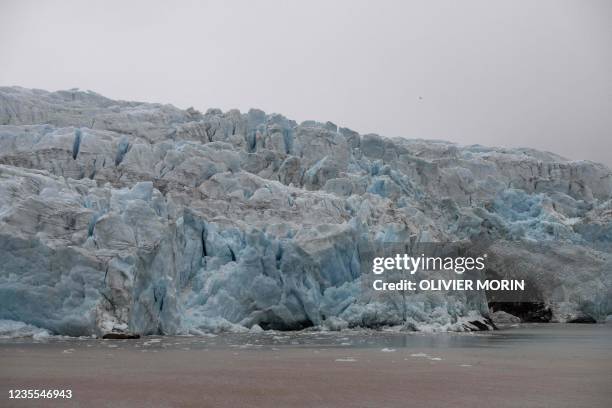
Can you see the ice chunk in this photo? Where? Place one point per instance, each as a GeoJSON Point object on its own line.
{"type": "Point", "coordinates": [10, 329]}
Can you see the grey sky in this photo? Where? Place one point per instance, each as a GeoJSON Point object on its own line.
{"type": "Point", "coordinates": [502, 73]}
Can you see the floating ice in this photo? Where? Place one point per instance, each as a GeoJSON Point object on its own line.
{"type": "Point", "coordinates": [10, 329]}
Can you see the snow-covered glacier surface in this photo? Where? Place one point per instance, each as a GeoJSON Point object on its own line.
{"type": "Point", "coordinates": [142, 217]}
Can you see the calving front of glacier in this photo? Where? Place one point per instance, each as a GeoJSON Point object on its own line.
{"type": "Point", "coordinates": [127, 216]}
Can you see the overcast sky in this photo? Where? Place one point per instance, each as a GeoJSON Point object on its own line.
{"type": "Point", "coordinates": [502, 73]}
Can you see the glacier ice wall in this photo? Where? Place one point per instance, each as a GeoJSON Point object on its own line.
{"type": "Point", "coordinates": [122, 215]}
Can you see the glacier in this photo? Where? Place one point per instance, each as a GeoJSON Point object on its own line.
{"type": "Point", "coordinates": [128, 216]}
